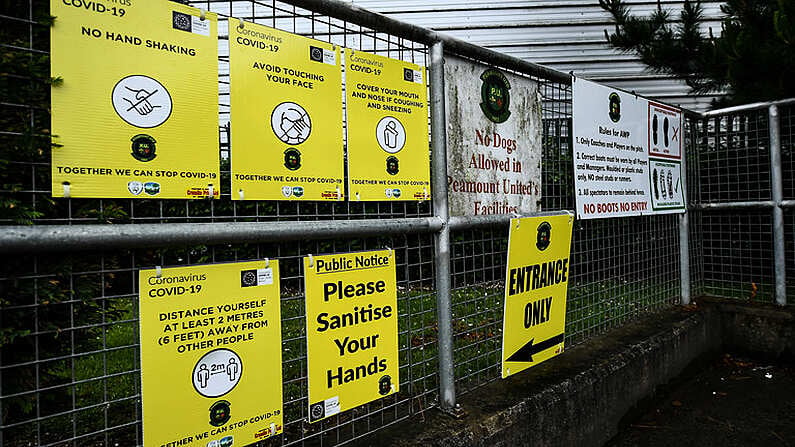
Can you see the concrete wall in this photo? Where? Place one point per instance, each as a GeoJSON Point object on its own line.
{"type": "Point", "coordinates": [765, 331]}
{"type": "Point", "coordinates": [580, 398]}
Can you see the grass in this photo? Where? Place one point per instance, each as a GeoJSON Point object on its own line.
{"type": "Point", "coordinates": [101, 380]}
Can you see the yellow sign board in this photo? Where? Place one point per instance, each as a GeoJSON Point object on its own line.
{"type": "Point", "coordinates": [211, 351]}
{"type": "Point", "coordinates": [536, 281]}
{"type": "Point", "coordinates": [388, 153]}
{"type": "Point", "coordinates": [286, 115]}
{"type": "Point", "coordinates": [136, 115]}
{"type": "Point", "coordinates": [351, 330]}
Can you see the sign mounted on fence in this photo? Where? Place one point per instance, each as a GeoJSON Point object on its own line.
{"type": "Point", "coordinates": [536, 282]}
{"type": "Point", "coordinates": [136, 115]}
{"type": "Point", "coordinates": [388, 152]}
{"type": "Point", "coordinates": [627, 154]}
{"type": "Point", "coordinates": [351, 330]}
{"type": "Point", "coordinates": [286, 109]}
{"type": "Point", "coordinates": [493, 140]}
{"type": "Point", "coordinates": [211, 352]}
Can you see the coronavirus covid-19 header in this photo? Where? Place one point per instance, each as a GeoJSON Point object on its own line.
{"type": "Point", "coordinates": [135, 111]}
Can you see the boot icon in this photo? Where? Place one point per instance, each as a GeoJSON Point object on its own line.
{"type": "Point", "coordinates": [654, 129]}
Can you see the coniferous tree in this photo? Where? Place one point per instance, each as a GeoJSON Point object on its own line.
{"type": "Point", "coordinates": [753, 58]}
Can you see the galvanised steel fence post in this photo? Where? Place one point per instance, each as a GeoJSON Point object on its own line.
{"type": "Point", "coordinates": [777, 194]}
{"type": "Point", "coordinates": [684, 239]}
{"type": "Point", "coordinates": [442, 246]}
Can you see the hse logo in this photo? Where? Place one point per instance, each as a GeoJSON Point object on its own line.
{"type": "Point", "coordinates": [226, 441]}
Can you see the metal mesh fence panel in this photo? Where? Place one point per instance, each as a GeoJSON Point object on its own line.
{"type": "Point", "coordinates": [732, 234]}
{"type": "Point", "coordinates": [733, 163]}
{"type": "Point", "coordinates": [70, 367]}
{"type": "Point", "coordinates": [787, 123]}
{"type": "Point", "coordinates": [693, 126]}
{"type": "Point", "coordinates": [71, 371]}
{"type": "Point", "coordinates": [737, 254]}
{"type": "Point", "coordinates": [620, 268]}
{"type": "Point", "coordinates": [789, 249]}
{"type": "Point", "coordinates": [25, 111]}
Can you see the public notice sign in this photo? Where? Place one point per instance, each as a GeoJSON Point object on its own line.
{"type": "Point", "coordinates": [493, 140]}
{"type": "Point", "coordinates": [388, 151]}
{"type": "Point", "coordinates": [286, 115]}
{"type": "Point", "coordinates": [627, 154]}
{"type": "Point", "coordinates": [536, 283]}
{"type": "Point", "coordinates": [136, 113]}
{"type": "Point", "coordinates": [351, 330]}
{"type": "Point", "coordinates": [211, 351]}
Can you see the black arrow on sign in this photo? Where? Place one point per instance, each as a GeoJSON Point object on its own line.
{"type": "Point", "coordinates": [525, 353]}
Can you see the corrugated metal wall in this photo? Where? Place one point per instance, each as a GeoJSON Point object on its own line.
{"type": "Point", "coordinates": [566, 35]}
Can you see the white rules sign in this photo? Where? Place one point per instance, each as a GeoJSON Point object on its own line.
{"type": "Point", "coordinates": [627, 154]}
{"type": "Point", "coordinates": [493, 140]}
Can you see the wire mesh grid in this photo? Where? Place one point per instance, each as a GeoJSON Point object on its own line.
{"type": "Point", "coordinates": [692, 139]}
{"type": "Point", "coordinates": [787, 127]}
{"type": "Point", "coordinates": [737, 254]}
{"type": "Point", "coordinates": [732, 248]}
{"type": "Point", "coordinates": [69, 369]}
{"type": "Point", "coordinates": [787, 123]}
{"type": "Point", "coordinates": [620, 268]}
{"type": "Point", "coordinates": [789, 249]}
{"type": "Point", "coordinates": [71, 372]}
{"type": "Point", "coordinates": [733, 161]}
{"type": "Point", "coordinates": [25, 124]}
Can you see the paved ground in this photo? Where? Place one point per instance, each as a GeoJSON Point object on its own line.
{"type": "Point", "coordinates": [731, 402]}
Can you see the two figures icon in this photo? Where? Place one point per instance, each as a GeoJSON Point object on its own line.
{"type": "Point", "coordinates": [232, 370]}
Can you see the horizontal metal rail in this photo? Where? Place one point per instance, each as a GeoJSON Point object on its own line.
{"type": "Point", "coordinates": [466, 222]}
{"type": "Point", "coordinates": [360, 16]}
{"type": "Point", "coordinates": [747, 107]}
{"type": "Point", "coordinates": [761, 204]}
{"type": "Point", "coordinates": [60, 238]}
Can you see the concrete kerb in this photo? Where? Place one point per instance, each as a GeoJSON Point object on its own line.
{"type": "Point", "coordinates": [580, 398]}
{"type": "Point", "coordinates": [577, 399]}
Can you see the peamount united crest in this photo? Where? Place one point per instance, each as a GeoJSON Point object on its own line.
{"type": "Point", "coordinates": [495, 95]}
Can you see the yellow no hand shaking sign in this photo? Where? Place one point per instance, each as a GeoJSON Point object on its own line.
{"type": "Point", "coordinates": [536, 282]}
{"type": "Point", "coordinates": [211, 354]}
{"type": "Point", "coordinates": [351, 330]}
{"type": "Point", "coordinates": [137, 112]}
{"type": "Point", "coordinates": [286, 109]}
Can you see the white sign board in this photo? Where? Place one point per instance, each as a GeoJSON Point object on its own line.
{"type": "Point", "coordinates": [493, 140]}
{"type": "Point", "coordinates": [627, 154]}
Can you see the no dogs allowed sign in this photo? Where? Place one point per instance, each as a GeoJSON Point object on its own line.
{"type": "Point", "coordinates": [536, 281]}
{"type": "Point", "coordinates": [211, 351]}
{"type": "Point", "coordinates": [351, 330]}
